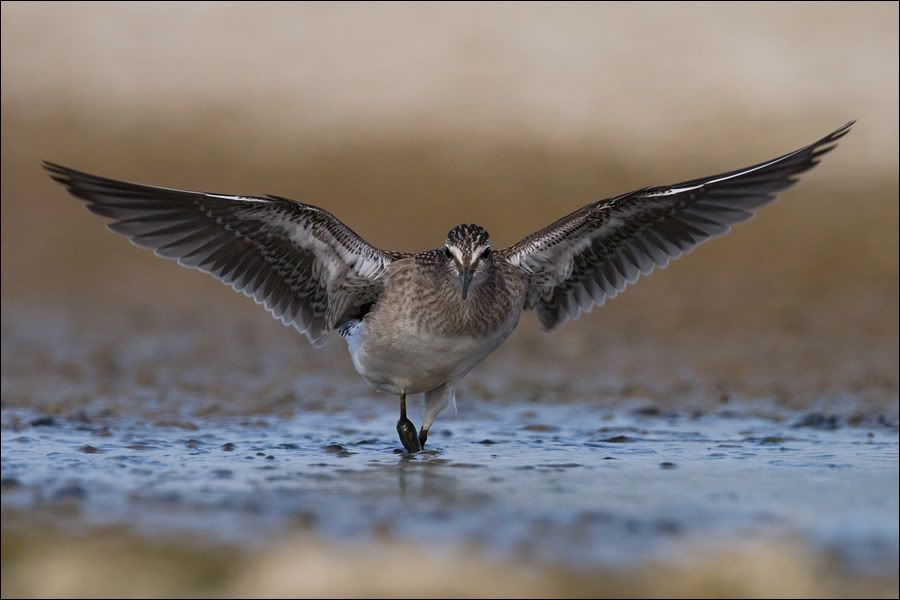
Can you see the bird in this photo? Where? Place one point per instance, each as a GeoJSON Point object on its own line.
{"type": "Point", "coordinates": [417, 323]}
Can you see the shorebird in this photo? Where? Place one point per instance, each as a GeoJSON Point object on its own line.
{"type": "Point", "coordinates": [418, 323]}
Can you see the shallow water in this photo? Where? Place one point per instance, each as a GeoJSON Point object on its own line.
{"type": "Point", "coordinates": [576, 483]}
{"type": "Point", "coordinates": [620, 457]}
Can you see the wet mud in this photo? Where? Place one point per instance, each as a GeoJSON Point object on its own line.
{"type": "Point", "coordinates": [167, 427]}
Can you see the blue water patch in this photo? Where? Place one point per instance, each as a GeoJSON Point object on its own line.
{"type": "Point", "coordinates": [576, 483]}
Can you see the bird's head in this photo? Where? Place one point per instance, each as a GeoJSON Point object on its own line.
{"type": "Point", "coordinates": [468, 250]}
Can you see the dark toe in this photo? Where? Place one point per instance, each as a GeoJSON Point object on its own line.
{"type": "Point", "coordinates": [407, 432]}
{"type": "Point", "coordinates": [423, 436]}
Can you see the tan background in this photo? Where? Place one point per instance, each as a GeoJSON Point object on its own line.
{"type": "Point", "coordinates": [405, 119]}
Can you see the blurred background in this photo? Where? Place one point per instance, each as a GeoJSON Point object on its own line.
{"type": "Point", "coordinates": [407, 119]}
{"type": "Point", "coordinates": [404, 119]}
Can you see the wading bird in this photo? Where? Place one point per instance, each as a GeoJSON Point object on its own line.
{"type": "Point", "coordinates": [418, 323]}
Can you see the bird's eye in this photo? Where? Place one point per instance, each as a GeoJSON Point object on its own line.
{"type": "Point", "coordinates": [447, 252]}
{"type": "Point", "coordinates": [485, 253]}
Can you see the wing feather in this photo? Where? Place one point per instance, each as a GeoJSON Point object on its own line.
{"type": "Point", "coordinates": [592, 254]}
{"type": "Point", "coordinates": [304, 265]}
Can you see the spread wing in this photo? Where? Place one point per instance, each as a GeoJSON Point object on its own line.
{"type": "Point", "coordinates": [593, 253]}
{"type": "Point", "coordinates": [306, 267]}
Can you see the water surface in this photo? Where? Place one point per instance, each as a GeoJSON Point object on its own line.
{"type": "Point", "coordinates": [575, 483]}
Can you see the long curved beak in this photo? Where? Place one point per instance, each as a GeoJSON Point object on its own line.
{"type": "Point", "coordinates": [465, 278]}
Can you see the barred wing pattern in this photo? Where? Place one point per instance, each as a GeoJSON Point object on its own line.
{"type": "Point", "coordinates": [594, 253]}
{"type": "Point", "coordinates": [306, 267]}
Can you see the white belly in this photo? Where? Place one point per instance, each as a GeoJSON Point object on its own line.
{"type": "Point", "coordinates": [414, 363]}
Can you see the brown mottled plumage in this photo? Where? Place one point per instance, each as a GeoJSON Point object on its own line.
{"type": "Point", "coordinates": [419, 323]}
{"type": "Point", "coordinates": [499, 294]}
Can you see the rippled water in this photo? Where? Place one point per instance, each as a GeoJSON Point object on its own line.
{"type": "Point", "coordinates": [578, 483]}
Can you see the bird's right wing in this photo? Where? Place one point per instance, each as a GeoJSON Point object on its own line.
{"type": "Point", "coordinates": [303, 264]}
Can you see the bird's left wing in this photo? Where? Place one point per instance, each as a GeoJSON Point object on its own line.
{"type": "Point", "coordinates": [304, 265]}
{"type": "Point", "coordinates": [593, 253]}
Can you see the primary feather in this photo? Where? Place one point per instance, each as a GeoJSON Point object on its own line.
{"type": "Point", "coordinates": [591, 254]}
{"type": "Point", "coordinates": [304, 265]}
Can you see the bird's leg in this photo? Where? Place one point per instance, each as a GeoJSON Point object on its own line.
{"type": "Point", "coordinates": [436, 401]}
{"type": "Point", "coordinates": [406, 429]}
